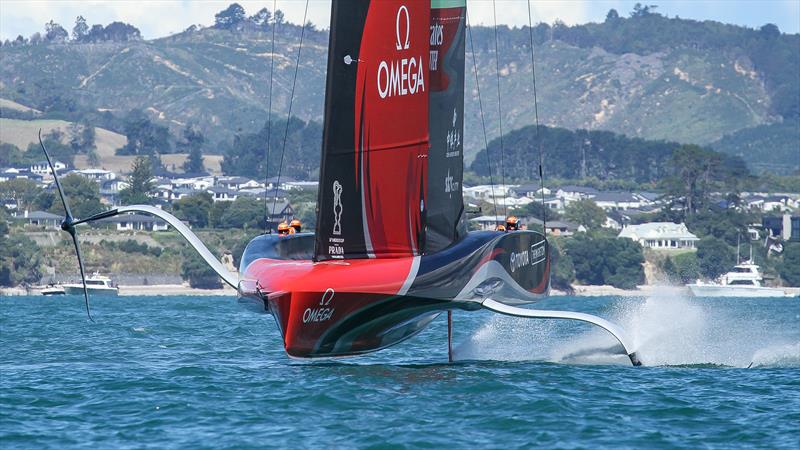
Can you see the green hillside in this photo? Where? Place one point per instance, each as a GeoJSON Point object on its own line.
{"type": "Point", "coordinates": [646, 76]}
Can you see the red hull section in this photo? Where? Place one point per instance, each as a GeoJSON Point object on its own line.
{"type": "Point", "coordinates": [341, 308]}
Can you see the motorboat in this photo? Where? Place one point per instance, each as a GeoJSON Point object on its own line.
{"type": "Point", "coordinates": [96, 284]}
{"type": "Point", "coordinates": [745, 280]}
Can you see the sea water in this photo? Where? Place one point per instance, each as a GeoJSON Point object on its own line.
{"type": "Point", "coordinates": [167, 372]}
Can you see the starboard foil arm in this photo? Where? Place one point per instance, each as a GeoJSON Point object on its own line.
{"type": "Point", "coordinates": [227, 276]}
{"type": "Point", "coordinates": [615, 331]}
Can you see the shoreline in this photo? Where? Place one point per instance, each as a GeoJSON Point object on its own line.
{"type": "Point", "coordinates": [184, 289]}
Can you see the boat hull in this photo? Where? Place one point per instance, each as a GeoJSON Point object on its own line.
{"type": "Point", "coordinates": [700, 290]}
{"type": "Point", "coordinates": [350, 307]}
{"type": "Point", "coordinates": [94, 291]}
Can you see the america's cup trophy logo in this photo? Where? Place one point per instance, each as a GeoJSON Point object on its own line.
{"type": "Point", "coordinates": [337, 208]}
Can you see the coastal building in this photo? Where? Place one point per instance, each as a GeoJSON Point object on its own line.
{"type": "Point", "coordinates": [42, 168]}
{"type": "Point", "coordinates": [786, 226]}
{"type": "Point", "coordinates": [136, 222]}
{"type": "Point", "coordinates": [660, 235]}
{"type": "Point", "coordinates": [42, 219]}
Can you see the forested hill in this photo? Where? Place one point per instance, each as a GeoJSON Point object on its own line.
{"type": "Point", "coordinates": [581, 154]}
{"type": "Point", "coordinates": [645, 76]}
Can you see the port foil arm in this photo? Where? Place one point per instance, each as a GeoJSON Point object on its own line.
{"type": "Point", "coordinates": [615, 330]}
{"type": "Point", "coordinates": [227, 276]}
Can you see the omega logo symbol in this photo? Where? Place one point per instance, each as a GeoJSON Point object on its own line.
{"type": "Point", "coordinates": [397, 27]}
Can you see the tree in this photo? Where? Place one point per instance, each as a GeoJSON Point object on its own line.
{"type": "Point", "coordinates": [563, 269]}
{"type": "Point", "coordinates": [612, 15]}
{"type": "Point", "coordinates": [144, 136]}
{"type": "Point", "coordinates": [193, 144]}
{"type": "Point", "coordinates": [244, 212]}
{"type": "Point", "coordinates": [198, 273]}
{"type": "Point", "coordinates": [789, 268]}
{"type": "Point", "coordinates": [586, 212]}
{"type": "Point", "coordinates": [714, 257]}
{"type": "Point", "coordinates": [80, 30]}
{"type": "Point", "coordinates": [195, 209]}
{"type": "Point", "coordinates": [605, 260]}
{"type": "Point", "coordinates": [279, 17]}
{"type": "Point", "coordinates": [21, 190]}
{"type": "Point", "coordinates": [19, 258]}
{"type": "Point", "coordinates": [55, 32]}
{"type": "Point", "coordinates": [262, 18]}
{"type": "Point", "coordinates": [140, 184]}
{"type": "Point", "coordinates": [230, 17]}
{"type": "Point", "coordinates": [82, 194]}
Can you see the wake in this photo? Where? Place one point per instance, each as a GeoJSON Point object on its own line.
{"type": "Point", "coordinates": [667, 330]}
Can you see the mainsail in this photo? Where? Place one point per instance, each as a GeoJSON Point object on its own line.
{"type": "Point", "coordinates": [445, 220]}
{"type": "Point", "coordinates": [373, 178]}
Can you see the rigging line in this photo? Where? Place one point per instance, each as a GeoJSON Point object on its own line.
{"type": "Point", "coordinates": [267, 228]}
{"type": "Point", "coordinates": [499, 110]}
{"type": "Point", "coordinates": [536, 115]}
{"type": "Point", "coordinates": [289, 115]}
{"type": "Point", "coordinates": [480, 107]}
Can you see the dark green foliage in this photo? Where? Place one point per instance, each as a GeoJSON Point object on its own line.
{"type": "Point", "coordinates": [537, 211]}
{"type": "Point", "coordinates": [131, 246]}
{"type": "Point", "coordinates": [247, 155]}
{"type": "Point", "coordinates": [198, 273]}
{"type": "Point", "coordinates": [586, 212]}
{"type": "Point", "coordinates": [22, 190]}
{"type": "Point", "coordinates": [11, 155]}
{"type": "Point", "coordinates": [789, 268]}
{"type": "Point", "coordinates": [563, 268]}
{"type": "Point", "coordinates": [244, 212]}
{"type": "Point", "coordinates": [714, 257]}
{"type": "Point", "coordinates": [144, 136]}
{"type": "Point", "coordinates": [192, 144]}
{"type": "Point", "coordinates": [577, 154]}
{"type": "Point", "coordinates": [140, 184]}
{"type": "Point", "coordinates": [58, 151]}
{"type": "Point", "coordinates": [606, 260]}
{"type": "Point", "coordinates": [766, 148]}
{"type": "Point", "coordinates": [194, 209]}
{"type": "Point", "coordinates": [727, 224]}
{"type": "Point", "coordinates": [218, 210]}
{"type": "Point", "coordinates": [230, 17]}
{"type": "Point", "coordinates": [19, 257]}
{"type": "Point", "coordinates": [682, 268]}
{"type": "Point", "coordinates": [83, 196]}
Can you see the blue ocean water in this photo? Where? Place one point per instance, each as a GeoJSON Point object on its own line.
{"type": "Point", "coordinates": [167, 372]}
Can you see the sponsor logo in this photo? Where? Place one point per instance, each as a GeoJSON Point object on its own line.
{"type": "Point", "coordinates": [450, 185]}
{"type": "Point", "coordinates": [401, 76]}
{"type": "Point", "coordinates": [530, 257]}
{"type": "Point", "coordinates": [323, 312]}
{"type": "Point", "coordinates": [437, 37]}
{"type": "Point", "coordinates": [453, 138]}
{"type": "Point", "coordinates": [337, 208]}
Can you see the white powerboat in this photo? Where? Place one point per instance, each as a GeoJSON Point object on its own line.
{"type": "Point", "coordinates": [53, 289]}
{"type": "Point", "coordinates": [95, 284]}
{"type": "Point", "coordinates": [745, 280]}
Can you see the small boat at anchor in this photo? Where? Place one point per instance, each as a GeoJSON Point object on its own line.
{"type": "Point", "coordinates": [745, 280]}
{"type": "Point", "coordinates": [96, 285]}
{"type": "Point", "coordinates": [53, 289]}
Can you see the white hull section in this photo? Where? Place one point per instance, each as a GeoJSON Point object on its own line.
{"type": "Point", "coordinates": [706, 290]}
{"type": "Point", "coordinates": [77, 289]}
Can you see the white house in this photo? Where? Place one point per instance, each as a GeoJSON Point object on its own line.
{"type": "Point", "coordinates": [96, 174]}
{"type": "Point", "coordinates": [660, 235]}
{"type": "Point", "coordinates": [42, 168]}
{"type": "Point", "coordinates": [137, 222]}
{"type": "Point", "coordinates": [618, 201]}
{"type": "Point", "coordinates": [222, 194]}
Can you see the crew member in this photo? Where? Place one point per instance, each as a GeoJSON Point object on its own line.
{"type": "Point", "coordinates": [296, 225]}
{"type": "Point", "coordinates": [512, 223]}
{"type": "Point", "coordinates": [284, 229]}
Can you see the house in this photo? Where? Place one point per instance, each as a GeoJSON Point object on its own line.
{"type": "Point", "coordinates": [555, 227]}
{"type": "Point", "coordinates": [660, 235]}
{"type": "Point", "coordinates": [786, 226]}
{"type": "Point", "coordinates": [530, 190]}
{"type": "Point", "coordinates": [616, 201]}
{"type": "Point", "coordinates": [572, 193]}
{"type": "Point", "coordinates": [222, 194]}
{"type": "Point", "coordinates": [237, 183]}
{"type": "Point", "coordinates": [96, 174]}
{"type": "Point", "coordinates": [42, 168]}
{"type": "Point", "coordinates": [42, 218]}
{"type": "Point", "coordinates": [136, 222]}
{"type": "Point", "coordinates": [282, 211]}
{"type": "Point", "coordinates": [12, 173]}
{"type": "Point", "coordinates": [303, 185]}
{"type": "Point", "coordinates": [284, 182]}
{"type": "Point", "coordinates": [487, 222]}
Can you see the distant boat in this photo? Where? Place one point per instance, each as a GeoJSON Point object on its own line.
{"type": "Point", "coordinates": [95, 284]}
{"type": "Point", "coordinates": [745, 280]}
{"type": "Point", "coordinates": [53, 289]}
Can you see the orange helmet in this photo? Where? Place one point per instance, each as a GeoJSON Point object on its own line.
{"type": "Point", "coordinates": [512, 223]}
{"type": "Point", "coordinates": [283, 228]}
{"type": "Point", "coordinates": [500, 228]}
{"type": "Point", "coordinates": [296, 225]}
